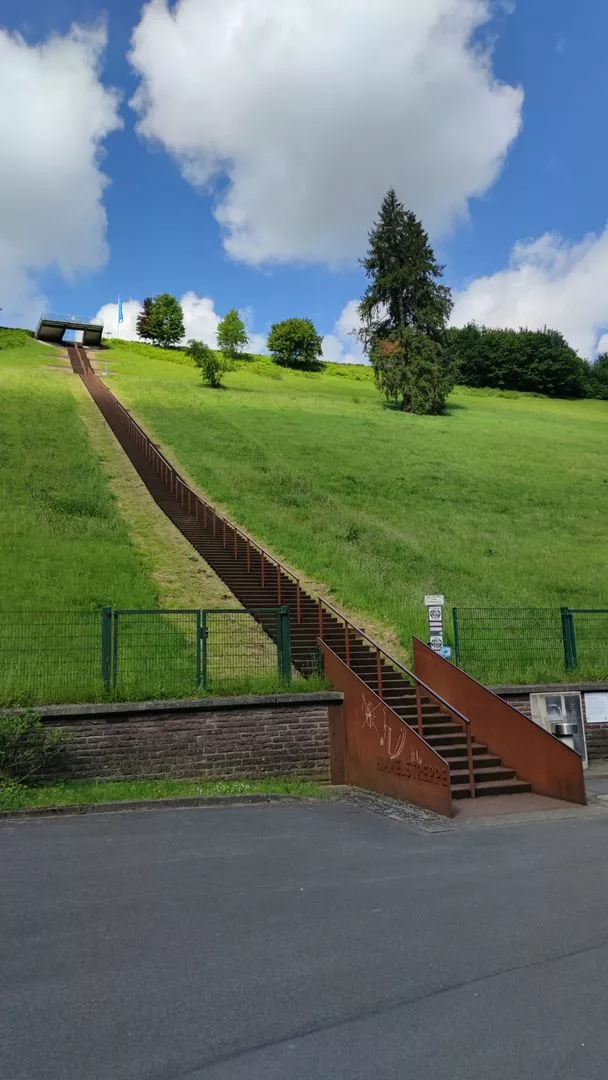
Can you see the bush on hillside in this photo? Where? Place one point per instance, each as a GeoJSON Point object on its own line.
{"type": "Point", "coordinates": [598, 378]}
{"type": "Point", "coordinates": [296, 344]}
{"type": "Point", "coordinates": [534, 361]}
{"type": "Point", "coordinates": [212, 365]}
{"type": "Point", "coordinates": [12, 338]}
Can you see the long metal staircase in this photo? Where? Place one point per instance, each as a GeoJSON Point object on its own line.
{"type": "Point", "coordinates": [260, 580]}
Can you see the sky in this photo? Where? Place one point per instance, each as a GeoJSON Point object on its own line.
{"type": "Point", "coordinates": [235, 153]}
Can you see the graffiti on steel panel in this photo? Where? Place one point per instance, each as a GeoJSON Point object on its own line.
{"type": "Point", "coordinates": [374, 717]}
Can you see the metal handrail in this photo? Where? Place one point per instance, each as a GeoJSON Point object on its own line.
{"type": "Point", "coordinates": [418, 683]}
{"type": "Point", "coordinates": [224, 521]}
{"type": "Point", "coordinates": [53, 316]}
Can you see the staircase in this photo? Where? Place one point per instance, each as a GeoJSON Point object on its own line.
{"type": "Point", "coordinates": [258, 580]}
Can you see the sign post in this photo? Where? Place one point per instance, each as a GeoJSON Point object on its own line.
{"type": "Point", "coordinates": [434, 606]}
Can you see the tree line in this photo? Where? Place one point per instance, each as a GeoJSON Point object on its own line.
{"type": "Point", "coordinates": [404, 313]}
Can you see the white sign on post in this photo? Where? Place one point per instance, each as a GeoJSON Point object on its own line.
{"type": "Point", "coordinates": [434, 606]}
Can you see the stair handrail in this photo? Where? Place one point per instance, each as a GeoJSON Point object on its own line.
{"type": "Point", "coordinates": [419, 685]}
{"type": "Point", "coordinates": [225, 522]}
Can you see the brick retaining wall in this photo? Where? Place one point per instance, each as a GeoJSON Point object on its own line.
{"type": "Point", "coordinates": [217, 738]}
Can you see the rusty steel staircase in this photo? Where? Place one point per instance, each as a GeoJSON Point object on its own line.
{"type": "Point", "coordinates": [257, 579]}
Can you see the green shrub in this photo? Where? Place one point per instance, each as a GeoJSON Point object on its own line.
{"type": "Point", "coordinates": [598, 378]}
{"type": "Point", "coordinates": [534, 361]}
{"type": "Point", "coordinates": [25, 746]}
{"type": "Point", "coordinates": [14, 339]}
{"type": "Point", "coordinates": [213, 366]}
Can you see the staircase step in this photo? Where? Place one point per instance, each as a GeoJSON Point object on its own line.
{"type": "Point", "coordinates": [492, 787]}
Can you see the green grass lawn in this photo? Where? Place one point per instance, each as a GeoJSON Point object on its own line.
{"type": "Point", "coordinates": [502, 501]}
{"type": "Point", "coordinates": [77, 532]}
{"type": "Point", "coordinates": [79, 793]}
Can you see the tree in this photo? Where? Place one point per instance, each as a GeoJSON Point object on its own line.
{"type": "Point", "coordinates": [213, 366]}
{"type": "Point", "coordinates": [295, 343]}
{"type": "Point", "coordinates": [142, 325]}
{"type": "Point", "coordinates": [533, 361]}
{"type": "Point", "coordinates": [404, 312]}
{"type": "Point", "coordinates": [411, 370]}
{"type": "Point", "coordinates": [231, 335]}
{"type": "Point", "coordinates": [165, 321]}
{"type": "Point", "coordinates": [598, 378]}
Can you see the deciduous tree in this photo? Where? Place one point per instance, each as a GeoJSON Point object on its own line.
{"type": "Point", "coordinates": [165, 321]}
{"type": "Point", "coordinates": [295, 343]}
{"type": "Point", "coordinates": [232, 336]}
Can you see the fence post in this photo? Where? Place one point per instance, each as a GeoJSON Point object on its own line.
{"type": "Point", "coordinates": [569, 637]}
{"type": "Point", "coordinates": [199, 670]}
{"type": "Point", "coordinates": [284, 643]}
{"type": "Point", "coordinates": [456, 621]}
{"type": "Point", "coordinates": [106, 647]}
{"type": "Point", "coordinates": [204, 652]}
{"type": "Point", "coordinates": [114, 649]}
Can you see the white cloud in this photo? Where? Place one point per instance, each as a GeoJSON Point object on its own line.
{"type": "Point", "coordinates": [548, 282]}
{"type": "Point", "coordinates": [200, 321]}
{"type": "Point", "coordinates": [54, 116]}
{"type": "Point", "coordinates": [312, 108]}
{"type": "Point", "coordinates": [342, 347]}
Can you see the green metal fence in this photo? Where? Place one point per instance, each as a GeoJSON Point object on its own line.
{"type": "Point", "coordinates": [527, 645]}
{"type": "Point", "coordinates": [54, 657]}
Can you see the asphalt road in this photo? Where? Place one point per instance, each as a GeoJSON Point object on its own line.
{"type": "Point", "coordinates": [287, 942]}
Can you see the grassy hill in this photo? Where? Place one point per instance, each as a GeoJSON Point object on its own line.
{"type": "Point", "coordinates": [79, 531]}
{"type": "Point", "coordinates": [502, 501]}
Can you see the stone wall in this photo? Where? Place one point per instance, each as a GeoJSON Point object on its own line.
{"type": "Point", "coordinates": [215, 738]}
{"type": "Point", "coordinates": [596, 735]}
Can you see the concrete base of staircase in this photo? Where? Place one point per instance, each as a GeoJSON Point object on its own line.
{"type": "Point", "coordinates": [519, 808]}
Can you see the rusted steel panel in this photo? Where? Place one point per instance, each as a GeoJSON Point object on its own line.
{"type": "Point", "coordinates": [550, 766]}
{"type": "Point", "coordinates": [372, 747]}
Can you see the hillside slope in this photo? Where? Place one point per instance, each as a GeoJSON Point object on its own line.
{"type": "Point", "coordinates": [500, 502]}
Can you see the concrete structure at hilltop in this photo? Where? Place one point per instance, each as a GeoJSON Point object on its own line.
{"type": "Point", "coordinates": [53, 327]}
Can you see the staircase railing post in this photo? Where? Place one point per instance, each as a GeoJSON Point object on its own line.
{"type": "Point", "coordinates": [470, 761]}
{"type": "Point", "coordinates": [263, 568]}
{"type": "Point", "coordinates": [298, 601]}
{"type": "Point", "coordinates": [419, 710]}
{"type": "Point", "coordinates": [346, 644]}
{"type": "Point", "coordinates": [248, 556]}
{"type": "Point", "coordinates": [236, 542]}
{"type": "Point", "coordinates": [279, 597]}
{"type": "Point", "coordinates": [321, 630]}
{"type": "Point", "coordinates": [379, 672]}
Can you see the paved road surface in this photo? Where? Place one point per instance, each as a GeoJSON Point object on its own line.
{"type": "Point", "coordinates": [301, 942]}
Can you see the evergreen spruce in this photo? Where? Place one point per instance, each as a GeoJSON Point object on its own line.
{"type": "Point", "coordinates": [404, 312]}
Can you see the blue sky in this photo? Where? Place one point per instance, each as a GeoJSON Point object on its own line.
{"type": "Point", "coordinates": [546, 177]}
